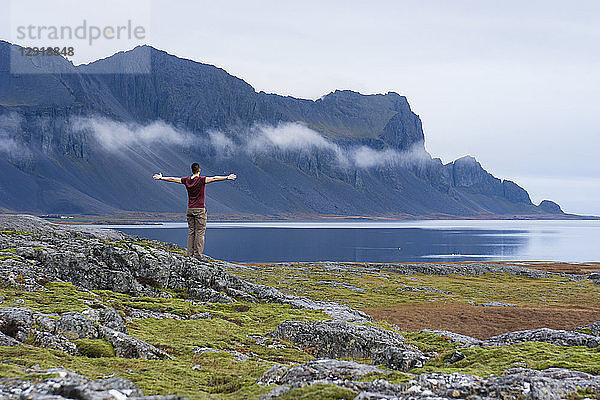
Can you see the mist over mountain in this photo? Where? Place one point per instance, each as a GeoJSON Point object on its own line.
{"type": "Point", "coordinates": [87, 140]}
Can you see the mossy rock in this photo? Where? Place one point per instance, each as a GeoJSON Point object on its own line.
{"type": "Point", "coordinates": [94, 348]}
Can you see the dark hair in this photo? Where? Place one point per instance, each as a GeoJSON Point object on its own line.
{"type": "Point", "coordinates": [195, 168]}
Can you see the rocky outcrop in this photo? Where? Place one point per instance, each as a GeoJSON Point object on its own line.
{"type": "Point", "coordinates": [129, 347]}
{"type": "Point", "coordinates": [110, 260]}
{"type": "Point", "coordinates": [593, 328]}
{"type": "Point", "coordinates": [19, 325]}
{"type": "Point", "coordinates": [49, 112]}
{"type": "Point", "coordinates": [67, 385]}
{"type": "Point", "coordinates": [514, 384]}
{"type": "Point", "coordinates": [335, 338]}
{"type": "Point", "coordinates": [550, 207]}
{"type": "Point", "coordinates": [400, 359]}
{"type": "Point", "coordinates": [546, 335]}
{"type": "Point", "coordinates": [317, 370]}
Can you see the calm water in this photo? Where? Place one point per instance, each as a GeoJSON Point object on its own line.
{"type": "Point", "coordinates": [575, 241]}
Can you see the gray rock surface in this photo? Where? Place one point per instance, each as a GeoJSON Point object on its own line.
{"type": "Point", "coordinates": [108, 317]}
{"type": "Point", "coordinates": [129, 347]}
{"type": "Point", "coordinates": [316, 370]}
{"type": "Point", "coordinates": [335, 338]}
{"type": "Point", "coordinates": [6, 340]}
{"type": "Point", "coordinates": [109, 260]}
{"type": "Point", "coordinates": [594, 328]}
{"type": "Point", "coordinates": [557, 337]}
{"type": "Point", "coordinates": [514, 384]}
{"type": "Point", "coordinates": [75, 325]}
{"type": "Point", "coordinates": [66, 385]}
{"type": "Point", "coordinates": [20, 325]}
{"type": "Point", "coordinates": [400, 359]}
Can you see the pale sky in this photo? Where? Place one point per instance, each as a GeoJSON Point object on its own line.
{"type": "Point", "coordinates": [513, 83]}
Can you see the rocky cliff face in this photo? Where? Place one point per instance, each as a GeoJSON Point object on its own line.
{"type": "Point", "coordinates": [345, 153]}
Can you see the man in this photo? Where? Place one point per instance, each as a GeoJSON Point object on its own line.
{"type": "Point", "coordinates": [196, 211]}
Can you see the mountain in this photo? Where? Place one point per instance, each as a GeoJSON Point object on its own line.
{"type": "Point", "coordinates": [84, 139]}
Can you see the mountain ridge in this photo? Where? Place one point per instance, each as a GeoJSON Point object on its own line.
{"type": "Point", "coordinates": [343, 154]}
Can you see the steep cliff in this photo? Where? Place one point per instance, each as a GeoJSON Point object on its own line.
{"type": "Point", "coordinates": [88, 139]}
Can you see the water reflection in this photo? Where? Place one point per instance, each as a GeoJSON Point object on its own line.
{"type": "Point", "coordinates": [267, 244]}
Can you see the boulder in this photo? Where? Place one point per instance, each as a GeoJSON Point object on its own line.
{"type": "Point", "coordinates": [75, 325]}
{"type": "Point", "coordinates": [6, 340]}
{"type": "Point", "coordinates": [48, 340]}
{"type": "Point", "coordinates": [335, 338]}
{"type": "Point", "coordinates": [594, 328]}
{"type": "Point", "coordinates": [400, 359]}
{"type": "Point", "coordinates": [67, 385]}
{"type": "Point", "coordinates": [556, 337]}
{"type": "Point", "coordinates": [129, 347]}
{"type": "Point", "coordinates": [16, 322]}
{"type": "Point", "coordinates": [331, 370]}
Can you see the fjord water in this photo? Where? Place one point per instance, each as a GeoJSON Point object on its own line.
{"type": "Point", "coordinates": [397, 241]}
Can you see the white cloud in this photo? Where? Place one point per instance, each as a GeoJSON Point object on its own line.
{"type": "Point", "coordinates": [10, 143]}
{"type": "Point", "coordinates": [114, 135]}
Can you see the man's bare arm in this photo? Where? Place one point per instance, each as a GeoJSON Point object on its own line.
{"type": "Point", "coordinates": [230, 177]}
{"type": "Point", "coordinates": [166, 178]}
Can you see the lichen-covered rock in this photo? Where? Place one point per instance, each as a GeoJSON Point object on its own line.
{"type": "Point", "coordinates": [557, 337]}
{"type": "Point", "coordinates": [593, 328]}
{"type": "Point", "coordinates": [109, 260]}
{"type": "Point", "coordinates": [6, 340]}
{"type": "Point", "coordinates": [400, 359]}
{"type": "Point", "coordinates": [16, 322]}
{"type": "Point", "coordinates": [209, 295]}
{"type": "Point", "coordinates": [129, 347]}
{"type": "Point", "coordinates": [335, 338]}
{"type": "Point", "coordinates": [111, 318]}
{"type": "Point", "coordinates": [48, 340]}
{"type": "Point", "coordinates": [316, 370]}
{"type": "Point", "coordinates": [514, 384]}
{"type": "Point", "coordinates": [66, 385]}
{"type": "Point", "coordinates": [75, 325]}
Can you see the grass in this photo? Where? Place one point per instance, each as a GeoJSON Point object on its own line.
{"type": "Point", "coordinates": [483, 361]}
{"type": "Point", "coordinates": [197, 376]}
{"type": "Point", "coordinates": [385, 288]}
{"type": "Point", "coordinates": [244, 327]}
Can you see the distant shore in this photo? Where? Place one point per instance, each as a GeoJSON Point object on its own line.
{"type": "Point", "coordinates": [154, 218]}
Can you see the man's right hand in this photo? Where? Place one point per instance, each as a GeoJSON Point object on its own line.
{"type": "Point", "coordinates": [158, 176]}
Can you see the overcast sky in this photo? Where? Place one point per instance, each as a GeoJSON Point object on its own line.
{"type": "Point", "coordinates": [513, 83]}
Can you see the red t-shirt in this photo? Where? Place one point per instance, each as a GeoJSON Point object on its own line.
{"type": "Point", "coordinates": [195, 189]}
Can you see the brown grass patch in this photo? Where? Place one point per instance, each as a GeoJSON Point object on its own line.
{"type": "Point", "coordinates": [481, 322]}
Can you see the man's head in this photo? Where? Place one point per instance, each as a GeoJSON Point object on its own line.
{"type": "Point", "coordinates": [195, 168]}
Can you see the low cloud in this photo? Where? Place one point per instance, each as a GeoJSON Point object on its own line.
{"type": "Point", "coordinates": [256, 140]}
{"type": "Point", "coordinates": [293, 136]}
{"type": "Point", "coordinates": [290, 136]}
{"type": "Point", "coordinates": [11, 143]}
{"type": "Point", "coordinates": [114, 136]}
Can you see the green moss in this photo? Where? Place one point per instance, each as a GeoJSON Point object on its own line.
{"type": "Point", "coordinates": [215, 375]}
{"type": "Point", "coordinates": [483, 361]}
{"type": "Point", "coordinates": [9, 257]}
{"type": "Point", "coordinates": [95, 348]}
{"type": "Point", "coordinates": [319, 392]}
{"type": "Point", "coordinates": [427, 341]}
{"type": "Point", "coordinates": [10, 250]}
{"type": "Point", "coordinates": [377, 288]}
{"type": "Point", "coordinates": [37, 377]}
{"type": "Point", "coordinates": [18, 233]}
